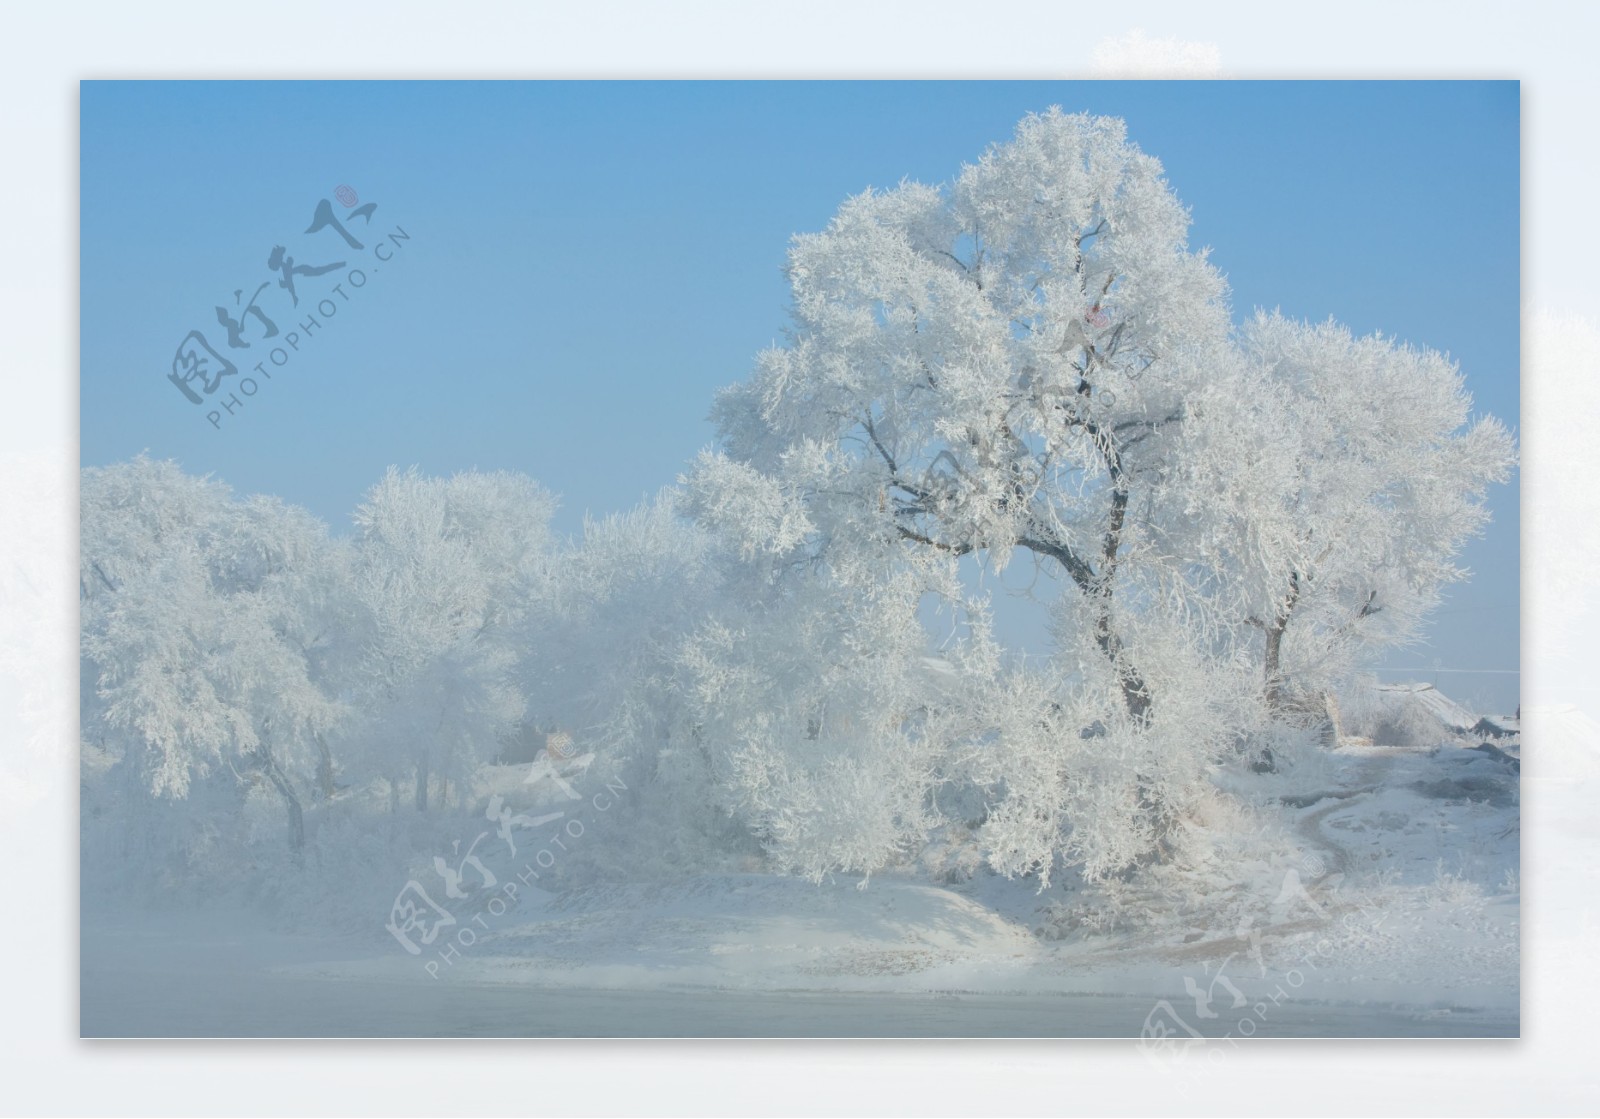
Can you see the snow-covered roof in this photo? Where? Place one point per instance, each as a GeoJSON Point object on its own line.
{"type": "Point", "coordinates": [1432, 700]}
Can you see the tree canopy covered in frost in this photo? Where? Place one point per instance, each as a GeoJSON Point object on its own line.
{"type": "Point", "coordinates": [1033, 361]}
{"type": "Point", "coordinates": [1376, 476]}
{"type": "Point", "coordinates": [442, 570]}
{"type": "Point", "coordinates": [200, 614]}
{"type": "Point", "coordinates": [1027, 365]}
{"type": "Point", "coordinates": [998, 366]}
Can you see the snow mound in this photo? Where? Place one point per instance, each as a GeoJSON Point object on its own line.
{"type": "Point", "coordinates": [745, 931]}
{"type": "Point", "coordinates": [757, 929]}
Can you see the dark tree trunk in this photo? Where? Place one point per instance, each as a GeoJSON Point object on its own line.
{"type": "Point", "coordinates": [1135, 695]}
{"type": "Point", "coordinates": [1040, 538]}
{"type": "Point", "coordinates": [422, 782]}
{"type": "Point", "coordinates": [1274, 681]}
{"type": "Point", "coordinates": [1272, 675]}
{"type": "Point", "coordinates": [325, 781]}
{"type": "Point", "coordinates": [297, 824]}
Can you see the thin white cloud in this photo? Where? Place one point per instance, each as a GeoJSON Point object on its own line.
{"type": "Point", "coordinates": [1137, 55]}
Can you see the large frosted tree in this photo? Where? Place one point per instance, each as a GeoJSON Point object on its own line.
{"type": "Point", "coordinates": [202, 618]}
{"type": "Point", "coordinates": [1032, 363]}
{"type": "Point", "coordinates": [1007, 364]}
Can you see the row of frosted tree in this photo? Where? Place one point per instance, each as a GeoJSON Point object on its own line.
{"type": "Point", "coordinates": [1027, 366]}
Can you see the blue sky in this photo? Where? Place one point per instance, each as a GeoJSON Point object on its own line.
{"type": "Point", "coordinates": [588, 262]}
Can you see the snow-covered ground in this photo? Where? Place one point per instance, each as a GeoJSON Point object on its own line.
{"type": "Point", "coordinates": [1393, 910]}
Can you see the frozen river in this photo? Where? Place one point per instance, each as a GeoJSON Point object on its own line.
{"type": "Point", "coordinates": [153, 984]}
{"type": "Point", "coordinates": [134, 1007]}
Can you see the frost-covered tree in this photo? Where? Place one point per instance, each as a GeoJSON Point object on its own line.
{"type": "Point", "coordinates": [1374, 475]}
{"type": "Point", "coordinates": [1031, 362]}
{"type": "Point", "coordinates": [598, 647]}
{"type": "Point", "coordinates": [1006, 366]}
{"type": "Point", "coordinates": [443, 570]}
{"type": "Point", "coordinates": [599, 661]}
{"type": "Point", "coordinates": [811, 700]}
{"type": "Point", "coordinates": [1000, 366]}
{"type": "Point", "coordinates": [200, 618]}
